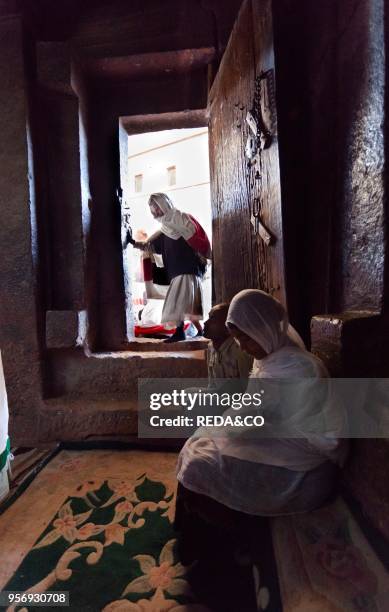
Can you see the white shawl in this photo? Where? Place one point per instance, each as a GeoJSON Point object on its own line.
{"type": "Point", "coordinates": [264, 319]}
{"type": "Point", "coordinates": [174, 223]}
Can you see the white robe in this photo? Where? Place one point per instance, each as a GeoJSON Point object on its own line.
{"type": "Point", "coordinates": [270, 475]}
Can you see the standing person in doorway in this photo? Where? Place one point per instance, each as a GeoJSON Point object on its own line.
{"type": "Point", "coordinates": [185, 249]}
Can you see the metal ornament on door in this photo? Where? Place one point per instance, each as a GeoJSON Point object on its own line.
{"type": "Point", "coordinates": [259, 227]}
{"type": "Point", "coordinates": [251, 148]}
{"type": "Point", "coordinates": [260, 137]}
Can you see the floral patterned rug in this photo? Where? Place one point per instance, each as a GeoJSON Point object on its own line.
{"type": "Point", "coordinates": [326, 564]}
{"type": "Point", "coordinates": [99, 524]}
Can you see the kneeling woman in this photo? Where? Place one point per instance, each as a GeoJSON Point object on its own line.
{"type": "Point", "coordinates": [263, 476]}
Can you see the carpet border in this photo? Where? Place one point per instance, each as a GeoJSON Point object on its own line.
{"type": "Point", "coordinates": [373, 535]}
{"type": "Point", "coordinates": [83, 445]}
{"type": "Point", "coordinates": [9, 501]}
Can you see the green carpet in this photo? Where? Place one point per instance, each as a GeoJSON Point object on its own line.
{"type": "Point", "coordinates": [115, 542]}
{"type": "Point", "coordinates": [112, 543]}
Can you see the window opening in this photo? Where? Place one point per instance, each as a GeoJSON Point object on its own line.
{"type": "Point", "coordinates": [138, 183]}
{"type": "Point", "coordinates": [171, 176]}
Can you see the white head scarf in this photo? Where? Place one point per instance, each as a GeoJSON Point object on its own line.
{"type": "Point", "coordinates": [174, 223]}
{"type": "Point", "coordinates": [264, 319]}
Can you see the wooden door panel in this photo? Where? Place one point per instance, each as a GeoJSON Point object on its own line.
{"type": "Point", "coordinates": [229, 99]}
{"type": "Point", "coordinates": [241, 258]}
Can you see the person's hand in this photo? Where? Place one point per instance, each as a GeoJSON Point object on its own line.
{"type": "Point", "coordinates": [128, 239]}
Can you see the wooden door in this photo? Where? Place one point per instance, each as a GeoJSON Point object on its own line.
{"type": "Point", "coordinates": [242, 259]}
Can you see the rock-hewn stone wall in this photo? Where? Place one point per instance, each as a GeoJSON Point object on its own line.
{"type": "Point", "coordinates": [331, 80]}
{"type": "Point", "coordinates": [19, 251]}
{"type": "Point", "coordinates": [60, 259]}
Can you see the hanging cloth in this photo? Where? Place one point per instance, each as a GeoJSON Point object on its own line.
{"type": "Point", "coordinates": [4, 439]}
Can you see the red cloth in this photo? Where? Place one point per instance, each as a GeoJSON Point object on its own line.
{"type": "Point", "coordinates": [147, 269]}
{"type": "Point", "coordinates": [199, 241]}
{"type": "Point", "coordinates": [156, 329]}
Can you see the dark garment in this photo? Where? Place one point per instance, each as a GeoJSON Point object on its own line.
{"type": "Point", "coordinates": [210, 533]}
{"type": "Point", "coordinates": [178, 257]}
{"type": "Point", "coordinates": [159, 275]}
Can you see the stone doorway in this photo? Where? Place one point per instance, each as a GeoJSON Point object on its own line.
{"type": "Point", "coordinates": [163, 153]}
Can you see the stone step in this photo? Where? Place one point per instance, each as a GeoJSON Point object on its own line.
{"type": "Point", "coordinates": [154, 344]}
{"type": "Point", "coordinates": [106, 420]}
{"type": "Point", "coordinates": [69, 418]}
{"type": "Point", "coordinates": [115, 375]}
